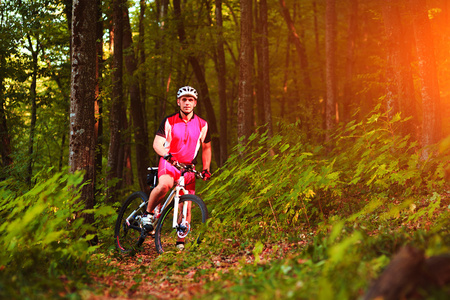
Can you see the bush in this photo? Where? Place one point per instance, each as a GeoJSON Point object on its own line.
{"type": "Point", "coordinates": [365, 168]}
{"type": "Point", "coordinates": [43, 236]}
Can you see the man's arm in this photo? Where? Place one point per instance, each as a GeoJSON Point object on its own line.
{"type": "Point", "coordinates": [158, 145]}
{"type": "Point", "coordinates": [206, 155]}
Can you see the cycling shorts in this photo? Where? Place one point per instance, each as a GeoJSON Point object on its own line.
{"type": "Point", "coordinates": [165, 168]}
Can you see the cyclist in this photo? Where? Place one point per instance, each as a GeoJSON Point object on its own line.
{"type": "Point", "coordinates": [179, 138]}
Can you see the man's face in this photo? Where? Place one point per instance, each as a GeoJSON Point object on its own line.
{"type": "Point", "coordinates": [187, 104]}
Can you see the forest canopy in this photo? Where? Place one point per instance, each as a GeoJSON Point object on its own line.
{"type": "Point", "coordinates": [317, 63]}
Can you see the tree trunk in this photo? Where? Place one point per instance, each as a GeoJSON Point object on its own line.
{"type": "Point", "coordinates": [115, 160]}
{"type": "Point", "coordinates": [222, 85]}
{"type": "Point", "coordinates": [350, 62]}
{"type": "Point", "coordinates": [301, 51]}
{"type": "Point", "coordinates": [33, 98]}
{"type": "Point", "coordinates": [259, 93]}
{"type": "Point", "coordinates": [98, 107]}
{"type": "Point", "coordinates": [163, 8]}
{"type": "Point", "coordinates": [400, 93]}
{"type": "Point", "coordinates": [284, 97]}
{"type": "Point", "coordinates": [431, 108]}
{"type": "Point", "coordinates": [330, 49]}
{"type": "Point", "coordinates": [141, 53]}
{"type": "Point", "coordinates": [5, 148]}
{"type": "Point", "coordinates": [244, 126]}
{"type": "Point", "coordinates": [265, 67]}
{"type": "Point", "coordinates": [203, 86]}
{"type": "Point", "coordinates": [82, 142]}
{"type": "Point", "coordinates": [137, 108]}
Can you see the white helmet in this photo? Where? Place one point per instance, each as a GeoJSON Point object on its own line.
{"type": "Point", "coordinates": [187, 90]}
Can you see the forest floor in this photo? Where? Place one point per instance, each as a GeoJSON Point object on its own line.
{"type": "Point", "coordinates": [138, 276]}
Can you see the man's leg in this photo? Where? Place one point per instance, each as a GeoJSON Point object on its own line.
{"type": "Point", "coordinates": [164, 185]}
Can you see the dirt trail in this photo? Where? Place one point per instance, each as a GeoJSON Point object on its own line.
{"type": "Point", "coordinates": [134, 278]}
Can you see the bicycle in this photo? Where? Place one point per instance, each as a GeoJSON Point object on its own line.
{"type": "Point", "coordinates": [181, 217]}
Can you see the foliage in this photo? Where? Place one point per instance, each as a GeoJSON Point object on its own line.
{"type": "Point", "coordinates": [353, 207]}
{"type": "Point", "coordinates": [303, 185]}
{"type": "Point", "coordinates": [43, 235]}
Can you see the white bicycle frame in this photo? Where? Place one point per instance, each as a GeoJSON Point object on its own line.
{"type": "Point", "coordinates": [175, 195]}
{"type": "Point", "coordinates": [178, 188]}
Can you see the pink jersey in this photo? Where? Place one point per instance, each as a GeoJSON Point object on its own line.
{"type": "Point", "coordinates": [183, 138]}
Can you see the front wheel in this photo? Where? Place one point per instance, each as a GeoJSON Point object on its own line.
{"type": "Point", "coordinates": [189, 229]}
{"type": "Point", "coordinates": [127, 231]}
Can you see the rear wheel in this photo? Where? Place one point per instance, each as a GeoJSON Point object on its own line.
{"type": "Point", "coordinates": [127, 233]}
{"type": "Point", "coordinates": [190, 231]}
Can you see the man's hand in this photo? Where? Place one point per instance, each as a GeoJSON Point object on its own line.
{"type": "Point", "coordinates": [206, 175]}
{"type": "Point", "coordinates": [169, 158]}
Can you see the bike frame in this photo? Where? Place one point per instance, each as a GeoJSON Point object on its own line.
{"type": "Point", "coordinates": [174, 195]}
{"type": "Point", "coordinates": [179, 187]}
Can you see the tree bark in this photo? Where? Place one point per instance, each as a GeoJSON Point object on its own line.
{"type": "Point", "coordinates": [286, 77]}
{"type": "Point", "coordinates": [330, 48]}
{"type": "Point", "coordinates": [5, 148]}
{"type": "Point", "coordinates": [265, 67]}
{"type": "Point", "coordinates": [33, 98]}
{"type": "Point", "coordinates": [244, 109]}
{"type": "Point", "coordinates": [115, 159]}
{"type": "Point", "coordinates": [350, 62]}
{"type": "Point", "coordinates": [400, 91]}
{"type": "Point", "coordinates": [259, 93]}
{"type": "Point", "coordinates": [222, 85]}
{"type": "Point", "coordinates": [163, 8]}
{"type": "Point", "coordinates": [137, 108]}
{"type": "Point", "coordinates": [98, 107]}
{"type": "Point", "coordinates": [301, 51]}
{"type": "Point", "coordinates": [82, 142]}
{"type": "Point", "coordinates": [141, 53]}
{"type": "Point", "coordinates": [431, 106]}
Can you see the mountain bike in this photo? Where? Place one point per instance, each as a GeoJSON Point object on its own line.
{"type": "Point", "coordinates": [182, 216]}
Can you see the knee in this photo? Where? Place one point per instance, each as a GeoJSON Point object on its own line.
{"type": "Point", "coordinates": [163, 188]}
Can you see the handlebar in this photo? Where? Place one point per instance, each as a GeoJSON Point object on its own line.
{"type": "Point", "coordinates": [187, 168]}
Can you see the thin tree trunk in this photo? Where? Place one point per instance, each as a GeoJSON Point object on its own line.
{"type": "Point", "coordinates": [115, 121]}
{"type": "Point", "coordinates": [203, 86]}
{"type": "Point", "coordinates": [160, 45]}
{"type": "Point", "coordinates": [82, 142]}
{"type": "Point", "coordinates": [5, 148]}
{"type": "Point", "coordinates": [286, 76]}
{"type": "Point", "coordinates": [98, 106]}
{"type": "Point", "coordinates": [137, 108]}
{"type": "Point", "coordinates": [400, 90]}
{"type": "Point", "coordinates": [141, 53]}
{"type": "Point", "coordinates": [431, 102]}
{"type": "Point", "coordinates": [316, 39]}
{"type": "Point", "coordinates": [125, 166]}
{"type": "Point", "coordinates": [265, 67]}
{"type": "Point", "coordinates": [330, 48]}
{"type": "Point", "coordinates": [259, 93]}
{"type": "Point", "coordinates": [301, 51]}
{"type": "Point", "coordinates": [222, 85]}
{"type": "Point", "coordinates": [244, 125]}
{"type": "Point", "coordinates": [350, 61]}
{"type": "Point", "coordinates": [33, 98]}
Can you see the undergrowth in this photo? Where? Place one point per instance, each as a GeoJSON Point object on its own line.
{"type": "Point", "coordinates": [305, 221]}
{"type": "Point", "coordinates": [46, 243]}
{"type": "Point", "coordinates": [354, 202]}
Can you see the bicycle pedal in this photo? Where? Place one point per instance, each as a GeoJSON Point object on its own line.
{"type": "Point", "coordinates": [148, 228]}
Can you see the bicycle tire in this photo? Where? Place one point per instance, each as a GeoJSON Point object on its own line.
{"type": "Point", "coordinates": [166, 236]}
{"type": "Point", "coordinates": [128, 237]}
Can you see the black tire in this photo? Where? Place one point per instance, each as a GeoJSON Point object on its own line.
{"type": "Point", "coordinates": [166, 236]}
{"type": "Point", "coordinates": [128, 237]}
